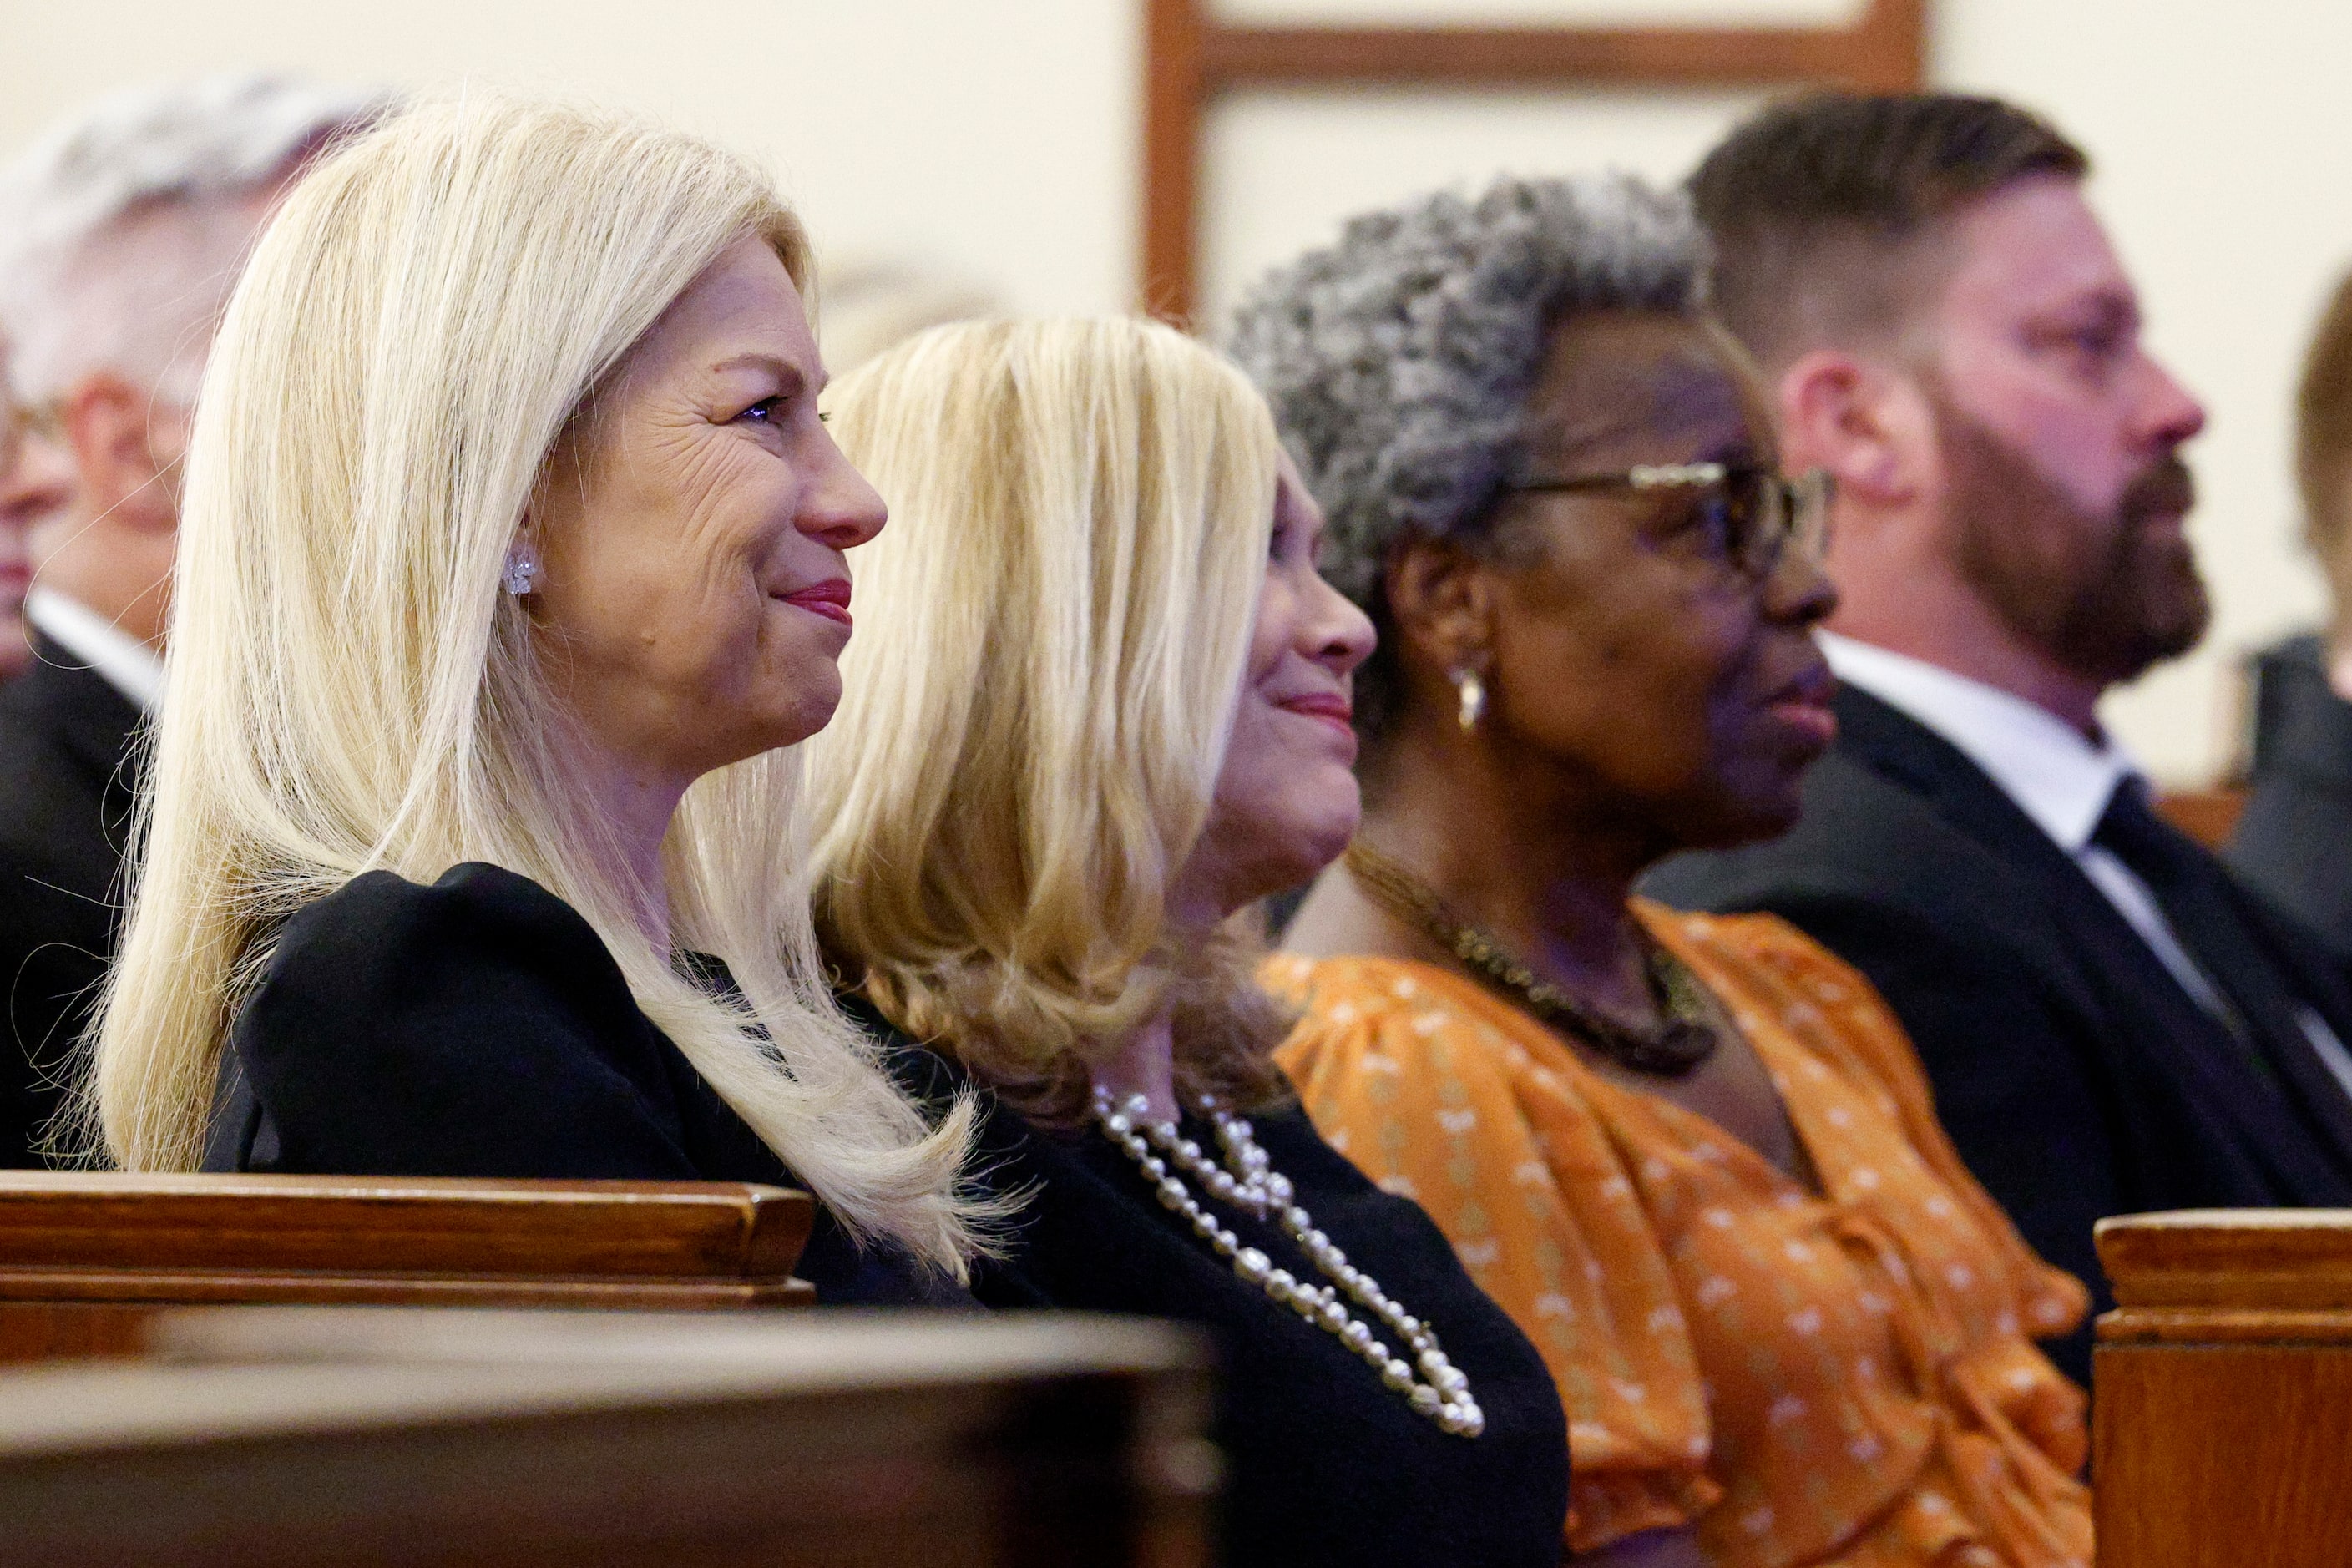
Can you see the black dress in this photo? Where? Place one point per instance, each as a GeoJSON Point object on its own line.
{"type": "Point", "coordinates": [479, 1028]}
{"type": "Point", "coordinates": [1324, 1464]}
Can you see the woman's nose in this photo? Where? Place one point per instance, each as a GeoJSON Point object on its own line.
{"type": "Point", "coordinates": [1341, 634]}
{"type": "Point", "coordinates": [1797, 587]}
{"type": "Point", "coordinates": [841, 508]}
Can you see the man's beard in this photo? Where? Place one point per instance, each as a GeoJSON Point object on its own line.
{"type": "Point", "coordinates": [2104, 598]}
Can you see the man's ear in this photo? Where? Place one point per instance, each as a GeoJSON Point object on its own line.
{"type": "Point", "coordinates": [1441, 605]}
{"type": "Point", "coordinates": [123, 440]}
{"type": "Point", "coordinates": [1857, 419]}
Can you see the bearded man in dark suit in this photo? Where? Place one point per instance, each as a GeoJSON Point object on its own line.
{"type": "Point", "coordinates": [2111, 1024]}
{"type": "Point", "coordinates": [121, 236]}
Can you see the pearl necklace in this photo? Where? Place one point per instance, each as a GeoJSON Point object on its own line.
{"type": "Point", "coordinates": [1247, 1180]}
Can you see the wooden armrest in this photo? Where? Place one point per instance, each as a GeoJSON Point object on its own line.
{"type": "Point", "coordinates": [85, 1256]}
{"type": "Point", "coordinates": [2224, 1390]}
{"type": "Point", "coordinates": [2232, 1274]}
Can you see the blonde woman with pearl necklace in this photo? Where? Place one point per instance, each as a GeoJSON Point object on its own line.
{"type": "Point", "coordinates": [1099, 705]}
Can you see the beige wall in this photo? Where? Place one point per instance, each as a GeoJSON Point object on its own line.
{"type": "Point", "coordinates": [999, 138]}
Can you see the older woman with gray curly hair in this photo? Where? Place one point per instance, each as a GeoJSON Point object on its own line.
{"type": "Point", "coordinates": [1693, 1157]}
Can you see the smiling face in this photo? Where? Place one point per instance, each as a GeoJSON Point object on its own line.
{"type": "Point", "coordinates": [2063, 490]}
{"type": "Point", "coordinates": [693, 593]}
{"type": "Point", "coordinates": [1673, 690]}
{"type": "Point", "coordinates": [1286, 801]}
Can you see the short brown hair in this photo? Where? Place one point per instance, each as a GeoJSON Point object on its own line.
{"type": "Point", "coordinates": [2323, 437]}
{"type": "Point", "coordinates": [1813, 203]}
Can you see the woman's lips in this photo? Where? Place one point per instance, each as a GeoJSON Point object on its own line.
{"type": "Point", "coordinates": [829, 599]}
{"type": "Point", "coordinates": [1335, 712]}
{"type": "Point", "coordinates": [1813, 721]}
{"type": "Point", "coordinates": [1803, 706]}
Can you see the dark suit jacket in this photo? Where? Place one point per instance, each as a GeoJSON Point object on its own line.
{"type": "Point", "coordinates": [2074, 1074]}
{"type": "Point", "coordinates": [66, 788]}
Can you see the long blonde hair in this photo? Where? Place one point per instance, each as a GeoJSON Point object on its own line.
{"type": "Point", "coordinates": [1052, 636]}
{"type": "Point", "coordinates": [351, 689]}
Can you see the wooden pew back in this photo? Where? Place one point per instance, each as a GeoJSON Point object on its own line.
{"type": "Point", "coordinates": [86, 1258]}
{"type": "Point", "coordinates": [329, 1438]}
{"type": "Point", "coordinates": [2223, 1408]}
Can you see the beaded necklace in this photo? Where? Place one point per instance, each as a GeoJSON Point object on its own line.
{"type": "Point", "coordinates": [1247, 1180]}
{"type": "Point", "coordinates": [1684, 1038]}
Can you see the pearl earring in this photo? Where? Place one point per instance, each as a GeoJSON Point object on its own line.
{"type": "Point", "coordinates": [1474, 700]}
{"type": "Point", "coordinates": [521, 571]}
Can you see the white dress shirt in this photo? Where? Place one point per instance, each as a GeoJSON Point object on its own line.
{"type": "Point", "coordinates": [2062, 781]}
{"type": "Point", "coordinates": [121, 660]}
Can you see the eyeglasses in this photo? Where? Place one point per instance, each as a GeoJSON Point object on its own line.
{"type": "Point", "coordinates": [20, 420]}
{"type": "Point", "coordinates": [1744, 514]}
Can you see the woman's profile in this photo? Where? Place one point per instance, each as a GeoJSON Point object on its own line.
{"type": "Point", "coordinates": [1108, 712]}
{"type": "Point", "coordinates": [1693, 1157]}
{"type": "Point", "coordinates": [512, 570]}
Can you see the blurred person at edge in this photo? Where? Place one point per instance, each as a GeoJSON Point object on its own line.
{"type": "Point", "coordinates": [1692, 1156]}
{"type": "Point", "coordinates": [126, 225]}
{"type": "Point", "coordinates": [2293, 842]}
{"type": "Point", "coordinates": [2110, 1021]}
{"type": "Point", "coordinates": [36, 481]}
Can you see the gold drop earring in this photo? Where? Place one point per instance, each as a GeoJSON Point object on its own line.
{"type": "Point", "coordinates": [1473, 692]}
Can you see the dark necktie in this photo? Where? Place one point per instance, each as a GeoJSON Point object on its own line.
{"type": "Point", "coordinates": [2194, 892]}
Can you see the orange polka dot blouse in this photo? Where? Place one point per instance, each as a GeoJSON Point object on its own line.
{"type": "Point", "coordinates": [1838, 1379]}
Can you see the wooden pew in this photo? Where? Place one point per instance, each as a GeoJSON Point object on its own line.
{"type": "Point", "coordinates": [2208, 816]}
{"type": "Point", "coordinates": [333, 1438]}
{"type": "Point", "coordinates": [86, 1258]}
{"type": "Point", "coordinates": [2223, 1410]}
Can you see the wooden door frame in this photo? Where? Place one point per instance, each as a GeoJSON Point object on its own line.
{"type": "Point", "coordinates": [1190, 59]}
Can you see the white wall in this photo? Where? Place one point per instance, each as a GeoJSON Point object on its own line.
{"type": "Point", "coordinates": [1001, 139]}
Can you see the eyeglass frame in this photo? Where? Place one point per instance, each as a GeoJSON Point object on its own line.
{"type": "Point", "coordinates": [1805, 499]}
{"type": "Point", "coordinates": [20, 420]}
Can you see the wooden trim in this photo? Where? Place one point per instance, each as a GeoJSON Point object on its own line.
{"type": "Point", "coordinates": [1520, 56]}
{"type": "Point", "coordinates": [2208, 816]}
{"type": "Point", "coordinates": [85, 1255]}
{"type": "Point", "coordinates": [2224, 1325]}
{"type": "Point", "coordinates": [236, 1287]}
{"type": "Point", "coordinates": [1189, 58]}
{"type": "Point", "coordinates": [1174, 92]}
{"type": "Point", "coordinates": [2210, 1260]}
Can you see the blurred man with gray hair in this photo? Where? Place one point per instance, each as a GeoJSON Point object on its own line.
{"type": "Point", "coordinates": [121, 234]}
{"type": "Point", "coordinates": [30, 490]}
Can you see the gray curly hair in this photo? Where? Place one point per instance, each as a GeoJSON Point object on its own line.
{"type": "Point", "coordinates": [1399, 361]}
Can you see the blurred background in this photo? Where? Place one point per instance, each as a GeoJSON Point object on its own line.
{"type": "Point", "coordinates": [969, 151]}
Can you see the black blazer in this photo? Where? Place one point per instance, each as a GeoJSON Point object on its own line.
{"type": "Point", "coordinates": [2076, 1077]}
{"type": "Point", "coordinates": [1323, 1463]}
{"type": "Point", "coordinates": [479, 1028]}
{"type": "Point", "coordinates": [67, 781]}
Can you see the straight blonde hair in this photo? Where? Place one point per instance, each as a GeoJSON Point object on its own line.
{"type": "Point", "coordinates": [1052, 637]}
{"type": "Point", "coordinates": [351, 689]}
